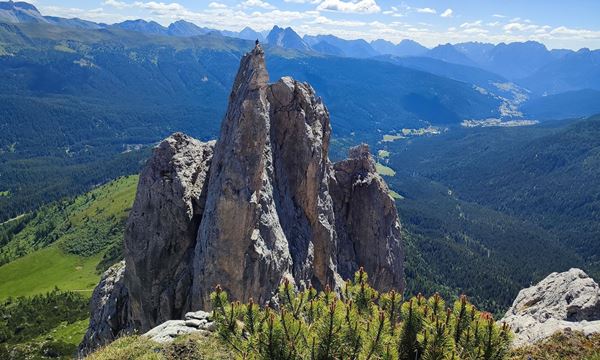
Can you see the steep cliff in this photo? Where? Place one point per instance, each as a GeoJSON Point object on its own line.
{"type": "Point", "coordinates": [160, 235]}
{"type": "Point", "coordinates": [262, 204]}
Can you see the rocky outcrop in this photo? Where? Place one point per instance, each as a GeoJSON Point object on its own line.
{"type": "Point", "coordinates": [194, 322]}
{"type": "Point", "coordinates": [367, 222]}
{"type": "Point", "coordinates": [262, 204]}
{"type": "Point", "coordinates": [160, 235]}
{"type": "Point", "coordinates": [562, 301]}
{"type": "Point", "coordinates": [109, 310]}
{"type": "Point", "coordinates": [240, 242]}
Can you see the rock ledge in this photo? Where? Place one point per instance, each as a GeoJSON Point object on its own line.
{"type": "Point", "coordinates": [562, 301]}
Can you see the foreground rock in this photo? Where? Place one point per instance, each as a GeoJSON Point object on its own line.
{"type": "Point", "coordinates": [194, 322]}
{"type": "Point", "coordinates": [261, 205]}
{"type": "Point", "coordinates": [562, 301]}
{"type": "Point", "coordinates": [109, 310]}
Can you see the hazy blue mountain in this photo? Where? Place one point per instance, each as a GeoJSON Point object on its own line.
{"type": "Point", "coordinates": [409, 47]}
{"type": "Point", "coordinates": [247, 33]}
{"type": "Point", "coordinates": [186, 28]}
{"type": "Point", "coordinates": [351, 48]}
{"type": "Point", "coordinates": [406, 47]}
{"type": "Point", "coordinates": [449, 53]}
{"type": "Point", "coordinates": [250, 34]}
{"type": "Point", "coordinates": [574, 71]}
{"type": "Point", "coordinates": [286, 38]}
{"type": "Point", "coordinates": [384, 46]}
{"type": "Point", "coordinates": [571, 104]}
{"type": "Point", "coordinates": [326, 48]}
{"type": "Point", "coordinates": [20, 12]}
{"type": "Point", "coordinates": [517, 60]}
{"type": "Point", "coordinates": [513, 61]}
{"type": "Point", "coordinates": [476, 51]}
{"type": "Point", "coordinates": [143, 26]}
{"type": "Point", "coordinates": [559, 53]}
{"type": "Point", "coordinates": [464, 73]}
{"type": "Point", "coordinates": [74, 23]}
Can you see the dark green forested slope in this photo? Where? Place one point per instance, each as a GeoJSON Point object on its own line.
{"type": "Point", "coordinates": [73, 99]}
{"type": "Point", "coordinates": [546, 175]}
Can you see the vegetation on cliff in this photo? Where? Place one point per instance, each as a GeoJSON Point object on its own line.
{"type": "Point", "coordinates": [42, 326]}
{"type": "Point", "coordinates": [360, 323]}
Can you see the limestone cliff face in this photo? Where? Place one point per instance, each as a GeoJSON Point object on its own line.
{"type": "Point", "coordinates": [367, 222]}
{"type": "Point", "coordinates": [240, 242]}
{"type": "Point", "coordinates": [160, 235]}
{"type": "Point", "coordinates": [262, 204]}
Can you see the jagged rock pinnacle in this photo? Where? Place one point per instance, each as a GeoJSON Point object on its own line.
{"type": "Point", "coordinates": [252, 73]}
{"type": "Point", "coordinates": [263, 204]}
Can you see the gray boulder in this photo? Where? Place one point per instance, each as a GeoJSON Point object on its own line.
{"type": "Point", "coordinates": [195, 322]}
{"type": "Point", "coordinates": [562, 301]}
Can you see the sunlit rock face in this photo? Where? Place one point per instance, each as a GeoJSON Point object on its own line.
{"type": "Point", "coordinates": [568, 300]}
{"type": "Point", "coordinates": [261, 204]}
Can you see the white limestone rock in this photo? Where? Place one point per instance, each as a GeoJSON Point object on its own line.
{"type": "Point", "coordinates": [562, 301]}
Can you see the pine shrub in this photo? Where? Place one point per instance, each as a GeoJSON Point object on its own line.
{"type": "Point", "coordinates": [358, 323]}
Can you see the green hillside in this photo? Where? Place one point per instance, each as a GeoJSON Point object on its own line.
{"type": "Point", "coordinates": [65, 244]}
{"type": "Point", "coordinates": [45, 269]}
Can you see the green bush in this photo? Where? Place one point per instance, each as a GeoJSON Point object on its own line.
{"type": "Point", "coordinates": [359, 324]}
{"type": "Point", "coordinates": [25, 318]}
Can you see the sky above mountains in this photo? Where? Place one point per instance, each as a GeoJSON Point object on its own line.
{"type": "Point", "coordinates": [556, 23]}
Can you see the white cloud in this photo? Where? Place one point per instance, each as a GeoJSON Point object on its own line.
{"type": "Point", "coordinates": [447, 13]}
{"type": "Point", "coordinates": [498, 16]}
{"type": "Point", "coordinates": [257, 4]}
{"type": "Point", "coordinates": [570, 33]}
{"type": "Point", "coordinates": [151, 5]}
{"type": "Point", "coordinates": [158, 6]}
{"type": "Point", "coordinates": [516, 26]}
{"type": "Point", "coordinates": [470, 24]}
{"type": "Point", "coordinates": [116, 4]}
{"type": "Point", "coordinates": [360, 6]}
{"type": "Point", "coordinates": [322, 20]}
{"type": "Point", "coordinates": [426, 10]}
{"type": "Point", "coordinates": [475, 30]}
{"type": "Point", "coordinates": [217, 5]}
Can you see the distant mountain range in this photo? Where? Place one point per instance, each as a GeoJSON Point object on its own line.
{"type": "Point", "coordinates": [530, 64]}
{"type": "Point", "coordinates": [106, 89]}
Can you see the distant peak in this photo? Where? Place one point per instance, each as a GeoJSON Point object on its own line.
{"type": "Point", "coordinates": [10, 5]}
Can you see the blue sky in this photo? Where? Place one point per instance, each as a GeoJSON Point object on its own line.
{"type": "Point", "coordinates": [558, 24]}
